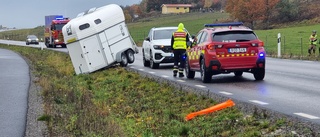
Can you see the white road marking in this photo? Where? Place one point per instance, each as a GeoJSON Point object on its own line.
{"type": "Point", "coordinates": [151, 72]}
{"type": "Point", "coordinates": [141, 69]}
{"type": "Point", "coordinates": [181, 80]}
{"type": "Point", "coordinates": [259, 102]}
{"type": "Point", "coordinates": [165, 76]}
{"type": "Point", "coordinates": [226, 93]}
{"type": "Point", "coordinates": [308, 61]}
{"type": "Point", "coordinates": [306, 115]}
{"type": "Point", "coordinates": [201, 86]}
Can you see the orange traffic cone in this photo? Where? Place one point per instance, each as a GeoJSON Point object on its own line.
{"type": "Point", "coordinates": [228, 103]}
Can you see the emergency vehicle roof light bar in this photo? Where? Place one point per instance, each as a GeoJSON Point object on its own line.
{"type": "Point", "coordinates": [59, 18]}
{"type": "Point", "coordinates": [224, 24]}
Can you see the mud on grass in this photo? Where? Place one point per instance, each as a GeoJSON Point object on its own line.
{"type": "Point", "coordinates": [115, 102]}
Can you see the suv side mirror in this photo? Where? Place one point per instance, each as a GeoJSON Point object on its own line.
{"type": "Point", "coordinates": [147, 39]}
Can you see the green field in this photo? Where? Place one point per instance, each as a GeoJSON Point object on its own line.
{"type": "Point", "coordinates": [193, 22]}
{"type": "Point", "coordinates": [294, 37]}
{"type": "Point", "coordinates": [294, 40]}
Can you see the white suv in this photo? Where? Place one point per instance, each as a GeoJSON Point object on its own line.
{"type": "Point", "coordinates": [156, 48]}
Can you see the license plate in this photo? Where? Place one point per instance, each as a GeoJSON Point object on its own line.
{"type": "Point", "coordinates": [237, 50]}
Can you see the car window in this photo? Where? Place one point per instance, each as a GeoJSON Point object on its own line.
{"type": "Point", "coordinates": [58, 26]}
{"type": "Point", "coordinates": [163, 34]}
{"type": "Point", "coordinates": [234, 36]}
{"type": "Point", "coordinates": [150, 33]}
{"type": "Point", "coordinates": [198, 38]}
{"type": "Point", "coordinates": [32, 36]}
{"type": "Point", "coordinates": [204, 37]}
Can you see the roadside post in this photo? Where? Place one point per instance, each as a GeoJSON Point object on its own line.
{"type": "Point", "coordinates": [41, 44]}
{"type": "Point", "coordinates": [279, 45]}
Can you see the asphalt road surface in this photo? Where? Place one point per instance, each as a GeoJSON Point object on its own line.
{"type": "Point", "coordinates": [14, 86]}
{"type": "Point", "coordinates": [290, 86]}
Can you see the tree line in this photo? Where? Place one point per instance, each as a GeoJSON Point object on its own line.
{"type": "Point", "coordinates": [262, 13]}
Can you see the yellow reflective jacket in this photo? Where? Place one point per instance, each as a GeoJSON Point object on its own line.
{"type": "Point", "coordinates": [313, 39]}
{"type": "Point", "coordinates": [179, 38]}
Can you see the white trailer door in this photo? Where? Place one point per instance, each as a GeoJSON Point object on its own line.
{"type": "Point", "coordinates": [106, 48]}
{"type": "Point", "coordinates": [116, 37]}
{"type": "Point", "coordinates": [94, 53]}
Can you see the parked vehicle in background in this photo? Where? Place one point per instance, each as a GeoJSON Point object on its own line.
{"type": "Point", "coordinates": [225, 48]}
{"type": "Point", "coordinates": [156, 48]}
{"type": "Point", "coordinates": [53, 30]}
{"type": "Point", "coordinates": [32, 39]}
{"type": "Point", "coordinates": [99, 38]}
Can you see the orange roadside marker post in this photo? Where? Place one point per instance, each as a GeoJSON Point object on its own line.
{"type": "Point", "coordinates": [228, 103]}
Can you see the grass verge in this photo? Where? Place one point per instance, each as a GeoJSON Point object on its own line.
{"type": "Point", "coordinates": [116, 102]}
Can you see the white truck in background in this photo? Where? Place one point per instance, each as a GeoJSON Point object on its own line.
{"type": "Point", "coordinates": [98, 38]}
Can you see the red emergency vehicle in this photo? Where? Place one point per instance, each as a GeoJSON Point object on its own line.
{"type": "Point", "coordinates": [226, 48]}
{"type": "Point", "coordinates": [53, 30]}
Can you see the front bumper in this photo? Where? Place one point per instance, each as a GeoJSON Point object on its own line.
{"type": "Point", "coordinates": [161, 57]}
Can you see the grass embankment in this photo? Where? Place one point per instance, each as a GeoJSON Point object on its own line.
{"type": "Point", "coordinates": [115, 102]}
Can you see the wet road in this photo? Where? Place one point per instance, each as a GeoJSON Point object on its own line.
{"type": "Point", "coordinates": [290, 86]}
{"type": "Point", "coordinates": [14, 86]}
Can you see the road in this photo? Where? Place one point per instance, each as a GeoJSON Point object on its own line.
{"type": "Point", "coordinates": [14, 86]}
{"type": "Point", "coordinates": [290, 86]}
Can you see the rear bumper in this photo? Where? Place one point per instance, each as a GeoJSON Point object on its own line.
{"type": "Point", "coordinates": [215, 66]}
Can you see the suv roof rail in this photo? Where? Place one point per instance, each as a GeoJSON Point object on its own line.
{"type": "Point", "coordinates": [224, 24]}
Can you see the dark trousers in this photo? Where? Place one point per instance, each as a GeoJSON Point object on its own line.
{"type": "Point", "coordinates": [178, 57]}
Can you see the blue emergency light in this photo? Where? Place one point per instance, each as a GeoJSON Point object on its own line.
{"type": "Point", "coordinates": [224, 24]}
{"type": "Point", "coordinates": [261, 55]}
{"type": "Point", "coordinates": [59, 17]}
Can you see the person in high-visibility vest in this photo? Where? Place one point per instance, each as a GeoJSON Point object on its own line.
{"type": "Point", "coordinates": [313, 42]}
{"type": "Point", "coordinates": [179, 41]}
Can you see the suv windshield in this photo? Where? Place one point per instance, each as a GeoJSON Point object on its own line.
{"type": "Point", "coordinates": [163, 34]}
{"type": "Point", "coordinates": [32, 36]}
{"type": "Point", "coordinates": [234, 36]}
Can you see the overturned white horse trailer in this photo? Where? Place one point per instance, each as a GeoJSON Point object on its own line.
{"type": "Point", "coordinates": [98, 38]}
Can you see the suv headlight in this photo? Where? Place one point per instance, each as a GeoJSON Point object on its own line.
{"type": "Point", "coordinates": [158, 46]}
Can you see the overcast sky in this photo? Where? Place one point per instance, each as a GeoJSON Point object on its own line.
{"type": "Point", "coordinates": [31, 13]}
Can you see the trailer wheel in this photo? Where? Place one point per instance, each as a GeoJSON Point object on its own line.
{"type": "Point", "coordinates": [130, 56]}
{"type": "Point", "coordinates": [124, 60]}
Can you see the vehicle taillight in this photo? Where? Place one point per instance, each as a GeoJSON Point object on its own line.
{"type": "Point", "coordinates": [219, 46]}
{"type": "Point", "coordinates": [210, 47]}
{"type": "Point", "coordinates": [260, 44]}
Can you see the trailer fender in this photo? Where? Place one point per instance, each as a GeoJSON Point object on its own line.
{"type": "Point", "coordinates": [118, 55]}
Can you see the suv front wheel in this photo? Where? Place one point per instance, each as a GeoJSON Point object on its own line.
{"type": "Point", "coordinates": [152, 64]}
{"type": "Point", "coordinates": [145, 62]}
